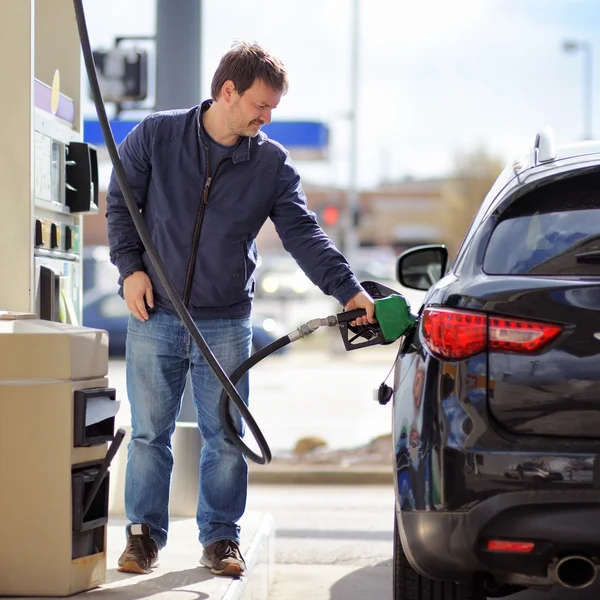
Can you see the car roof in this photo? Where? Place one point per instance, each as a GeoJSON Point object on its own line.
{"type": "Point", "coordinates": [545, 159]}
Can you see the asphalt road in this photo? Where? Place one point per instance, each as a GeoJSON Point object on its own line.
{"type": "Point", "coordinates": [335, 543]}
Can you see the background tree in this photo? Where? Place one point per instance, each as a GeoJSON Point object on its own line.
{"type": "Point", "coordinates": [474, 174]}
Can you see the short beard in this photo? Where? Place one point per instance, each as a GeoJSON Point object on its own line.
{"type": "Point", "coordinates": [237, 127]}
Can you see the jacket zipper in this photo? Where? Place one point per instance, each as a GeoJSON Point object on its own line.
{"type": "Point", "coordinates": [198, 228]}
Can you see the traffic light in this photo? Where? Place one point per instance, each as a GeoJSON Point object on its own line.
{"type": "Point", "coordinates": [330, 215]}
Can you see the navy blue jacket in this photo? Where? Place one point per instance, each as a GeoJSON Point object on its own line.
{"type": "Point", "coordinates": [205, 226]}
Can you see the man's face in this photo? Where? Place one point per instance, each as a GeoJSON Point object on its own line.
{"type": "Point", "coordinates": [250, 111]}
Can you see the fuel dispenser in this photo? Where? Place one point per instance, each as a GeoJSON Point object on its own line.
{"type": "Point", "coordinates": [48, 174]}
{"type": "Point", "coordinates": [65, 189]}
{"type": "Point", "coordinates": [57, 410]}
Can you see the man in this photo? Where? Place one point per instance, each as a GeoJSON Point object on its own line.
{"type": "Point", "coordinates": [206, 179]}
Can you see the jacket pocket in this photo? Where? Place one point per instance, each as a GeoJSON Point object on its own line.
{"type": "Point", "coordinates": [220, 274]}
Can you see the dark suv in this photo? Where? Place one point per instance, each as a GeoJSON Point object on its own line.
{"type": "Point", "coordinates": [496, 412]}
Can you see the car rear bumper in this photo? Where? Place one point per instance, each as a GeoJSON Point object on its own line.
{"type": "Point", "coordinates": [452, 546]}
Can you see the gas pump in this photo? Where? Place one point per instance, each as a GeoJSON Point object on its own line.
{"type": "Point", "coordinates": [57, 410]}
{"type": "Point", "coordinates": [65, 189]}
{"type": "Point", "coordinates": [48, 175]}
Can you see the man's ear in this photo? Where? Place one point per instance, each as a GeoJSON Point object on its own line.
{"type": "Point", "coordinates": [228, 92]}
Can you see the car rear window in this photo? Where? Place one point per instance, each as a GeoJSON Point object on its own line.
{"type": "Point", "coordinates": [552, 230]}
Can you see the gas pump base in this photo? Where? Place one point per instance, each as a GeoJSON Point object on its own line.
{"type": "Point", "coordinates": [57, 418]}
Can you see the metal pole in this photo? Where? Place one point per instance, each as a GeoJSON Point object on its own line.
{"type": "Point", "coordinates": [178, 28]}
{"type": "Point", "coordinates": [350, 234]}
{"type": "Point", "coordinates": [588, 133]}
{"type": "Point", "coordinates": [177, 53]}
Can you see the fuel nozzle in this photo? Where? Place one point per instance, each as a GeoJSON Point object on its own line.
{"type": "Point", "coordinates": [358, 336]}
{"type": "Point", "coordinates": [393, 321]}
{"type": "Point", "coordinates": [391, 311]}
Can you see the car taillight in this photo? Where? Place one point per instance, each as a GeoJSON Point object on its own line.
{"type": "Point", "coordinates": [519, 335]}
{"type": "Point", "coordinates": [454, 334]}
{"type": "Point", "coordinates": [507, 546]}
{"type": "Point", "coordinates": [457, 334]}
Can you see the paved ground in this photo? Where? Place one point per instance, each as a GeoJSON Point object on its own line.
{"type": "Point", "coordinates": [335, 543]}
{"type": "Point", "coordinates": [332, 543]}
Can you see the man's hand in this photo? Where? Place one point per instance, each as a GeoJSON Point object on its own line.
{"type": "Point", "coordinates": [136, 287]}
{"type": "Point", "coordinates": [362, 300]}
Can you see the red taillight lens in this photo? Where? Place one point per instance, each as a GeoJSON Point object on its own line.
{"type": "Point", "coordinates": [507, 546]}
{"type": "Point", "coordinates": [458, 334]}
{"type": "Point", "coordinates": [454, 334]}
{"type": "Point", "coordinates": [517, 335]}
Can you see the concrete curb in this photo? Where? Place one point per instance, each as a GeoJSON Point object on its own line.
{"type": "Point", "coordinates": [260, 564]}
{"type": "Point", "coordinates": [316, 475]}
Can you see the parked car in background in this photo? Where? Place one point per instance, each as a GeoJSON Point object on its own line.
{"type": "Point", "coordinates": [496, 405]}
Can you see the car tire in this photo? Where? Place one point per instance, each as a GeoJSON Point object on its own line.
{"type": "Point", "coordinates": [410, 585]}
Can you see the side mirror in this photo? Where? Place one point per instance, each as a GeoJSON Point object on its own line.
{"type": "Point", "coordinates": [421, 267]}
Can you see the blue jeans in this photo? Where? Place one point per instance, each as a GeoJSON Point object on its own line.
{"type": "Point", "coordinates": [159, 353]}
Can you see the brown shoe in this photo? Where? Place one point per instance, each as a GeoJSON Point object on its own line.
{"type": "Point", "coordinates": [224, 558]}
{"type": "Point", "coordinates": [141, 553]}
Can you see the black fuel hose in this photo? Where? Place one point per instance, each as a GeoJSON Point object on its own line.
{"type": "Point", "coordinates": [140, 225]}
{"type": "Point", "coordinates": [233, 434]}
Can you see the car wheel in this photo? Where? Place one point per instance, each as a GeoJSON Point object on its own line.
{"type": "Point", "coordinates": [409, 585]}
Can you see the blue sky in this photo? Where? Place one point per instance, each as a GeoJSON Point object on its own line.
{"type": "Point", "coordinates": [436, 77]}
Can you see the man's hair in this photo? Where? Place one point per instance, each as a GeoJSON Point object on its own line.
{"type": "Point", "coordinates": [244, 64]}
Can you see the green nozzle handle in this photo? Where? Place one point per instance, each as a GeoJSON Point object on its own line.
{"type": "Point", "coordinates": [394, 317]}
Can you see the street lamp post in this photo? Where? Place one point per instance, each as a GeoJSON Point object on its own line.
{"type": "Point", "coordinates": [586, 49]}
{"type": "Point", "coordinates": [350, 233]}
